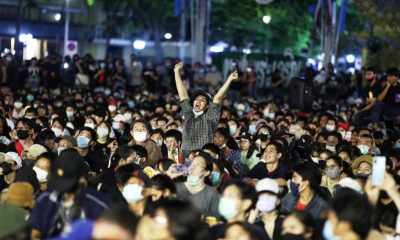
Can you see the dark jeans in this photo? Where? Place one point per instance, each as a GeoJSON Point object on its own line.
{"type": "Point", "coordinates": [362, 117]}
{"type": "Point", "coordinates": [381, 109]}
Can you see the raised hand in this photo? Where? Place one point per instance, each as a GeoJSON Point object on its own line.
{"type": "Point", "coordinates": [234, 76]}
{"type": "Point", "coordinates": [178, 66]}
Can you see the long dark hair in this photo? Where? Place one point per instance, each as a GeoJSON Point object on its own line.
{"type": "Point", "coordinates": [251, 150]}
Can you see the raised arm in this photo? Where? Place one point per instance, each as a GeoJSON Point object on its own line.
{"type": "Point", "coordinates": [224, 89]}
{"type": "Point", "coordinates": [182, 92]}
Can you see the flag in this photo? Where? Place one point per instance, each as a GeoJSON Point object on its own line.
{"type": "Point", "coordinates": [323, 16]}
{"type": "Point", "coordinates": [342, 17]}
{"type": "Point", "coordinates": [177, 7]}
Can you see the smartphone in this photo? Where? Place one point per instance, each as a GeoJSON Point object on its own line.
{"type": "Point", "coordinates": [378, 170]}
{"type": "Point", "coordinates": [347, 136]}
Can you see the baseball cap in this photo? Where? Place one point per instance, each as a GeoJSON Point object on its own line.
{"type": "Point", "coordinates": [267, 185]}
{"type": "Point", "coordinates": [15, 157]}
{"type": "Point", "coordinates": [69, 167]}
{"type": "Point", "coordinates": [35, 150]}
{"type": "Point", "coordinates": [67, 138]}
{"type": "Point", "coordinates": [246, 135]}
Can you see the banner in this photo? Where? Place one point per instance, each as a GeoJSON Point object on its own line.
{"type": "Point", "coordinates": [265, 65]}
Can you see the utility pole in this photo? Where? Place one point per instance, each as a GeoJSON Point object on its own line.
{"type": "Point", "coordinates": [200, 30]}
{"type": "Point", "coordinates": [182, 31]}
{"type": "Point", "coordinates": [66, 28]}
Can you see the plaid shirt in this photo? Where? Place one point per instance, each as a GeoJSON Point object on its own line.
{"type": "Point", "coordinates": [198, 131]}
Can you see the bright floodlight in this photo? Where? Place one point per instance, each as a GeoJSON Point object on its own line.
{"type": "Point", "coordinates": [57, 17]}
{"type": "Point", "coordinates": [66, 65]}
{"type": "Point", "coordinates": [267, 19]}
{"type": "Point", "coordinates": [139, 44]}
{"type": "Point", "coordinates": [25, 37]}
{"type": "Point", "coordinates": [246, 51]}
{"type": "Point", "coordinates": [350, 58]}
{"type": "Point", "coordinates": [168, 36]}
{"type": "Point", "coordinates": [311, 61]}
{"type": "Point", "coordinates": [216, 49]}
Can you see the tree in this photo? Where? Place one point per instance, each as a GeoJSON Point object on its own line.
{"type": "Point", "coordinates": [241, 24]}
{"type": "Point", "coordinates": [152, 15]}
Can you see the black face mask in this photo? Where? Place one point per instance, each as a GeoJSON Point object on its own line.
{"type": "Point", "coordinates": [29, 162]}
{"type": "Point", "coordinates": [7, 167]}
{"type": "Point", "coordinates": [263, 137]}
{"type": "Point", "coordinates": [22, 134]}
{"type": "Point", "coordinates": [290, 236]}
{"type": "Point", "coordinates": [322, 164]}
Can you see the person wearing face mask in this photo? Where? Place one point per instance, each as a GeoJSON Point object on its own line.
{"type": "Point", "coordinates": [196, 189]}
{"type": "Point", "coordinates": [173, 142]}
{"type": "Point", "coordinates": [333, 173]}
{"type": "Point", "coordinates": [42, 168]}
{"type": "Point", "coordinates": [268, 206]}
{"type": "Point", "coordinates": [298, 226]}
{"type": "Point", "coordinates": [237, 199]}
{"type": "Point", "coordinates": [86, 141]}
{"type": "Point", "coordinates": [304, 191]}
{"type": "Point", "coordinates": [59, 127]}
{"type": "Point", "coordinates": [332, 139]}
{"type": "Point", "coordinates": [140, 135]}
{"type": "Point", "coordinates": [10, 162]}
{"type": "Point", "coordinates": [362, 166]}
{"type": "Point", "coordinates": [248, 152]}
{"type": "Point", "coordinates": [90, 122]}
{"type": "Point", "coordinates": [366, 144]}
{"type": "Point", "coordinates": [65, 142]}
{"type": "Point", "coordinates": [200, 114]}
{"type": "Point", "coordinates": [24, 132]}
{"type": "Point", "coordinates": [105, 144]}
{"type": "Point", "coordinates": [331, 125]}
{"type": "Point", "coordinates": [18, 112]}
{"type": "Point", "coordinates": [158, 136]}
{"type": "Point", "coordinates": [135, 187]}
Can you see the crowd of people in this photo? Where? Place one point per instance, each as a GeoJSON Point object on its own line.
{"type": "Point", "coordinates": [102, 151]}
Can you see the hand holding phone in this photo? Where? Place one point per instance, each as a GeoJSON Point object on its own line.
{"type": "Point", "coordinates": [378, 170]}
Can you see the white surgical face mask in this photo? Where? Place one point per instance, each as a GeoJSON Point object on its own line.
{"type": "Point", "coordinates": [139, 136]}
{"type": "Point", "coordinates": [227, 208]}
{"type": "Point", "coordinates": [331, 148]}
{"type": "Point", "coordinates": [69, 114]}
{"type": "Point", "coordinates": [364, 149]}
{"type": "Point", "coordinates": [315, 159]}
{"type": "Point", "coordinates": [18, 105]}
{"type": "Point", "coordinates": [330, 128]}
{"type": "Point", "coordinates": [132, 193]}
{"type": "Point", "coordinates": [90, 125]}
{"type": "Point", "coordinates": [198, 113]}
{"type": "Point", "coordinates": [116, 125]}
{"type": "Point", "coordinates": [58, 132]}
{"type": "Point", "coordinates": [102, 132]}
{"type": "Point", "coordinates": [128, 116]}
{"type": "Point", "coordinates": [112, 108]}
{"type": "Point", "coordinates": [41, 174]}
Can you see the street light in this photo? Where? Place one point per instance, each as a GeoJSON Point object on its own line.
{"type": "Point", "coordinates": [350, 58]}
{"type": "Point", "coordinates": [57, 17]}
{"type": "Point", "coordinates": [266, 19]}
{"type": "Point", "coordinates": [168, 36]}
{"type": "Point", "coordinates": [139, 44]}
